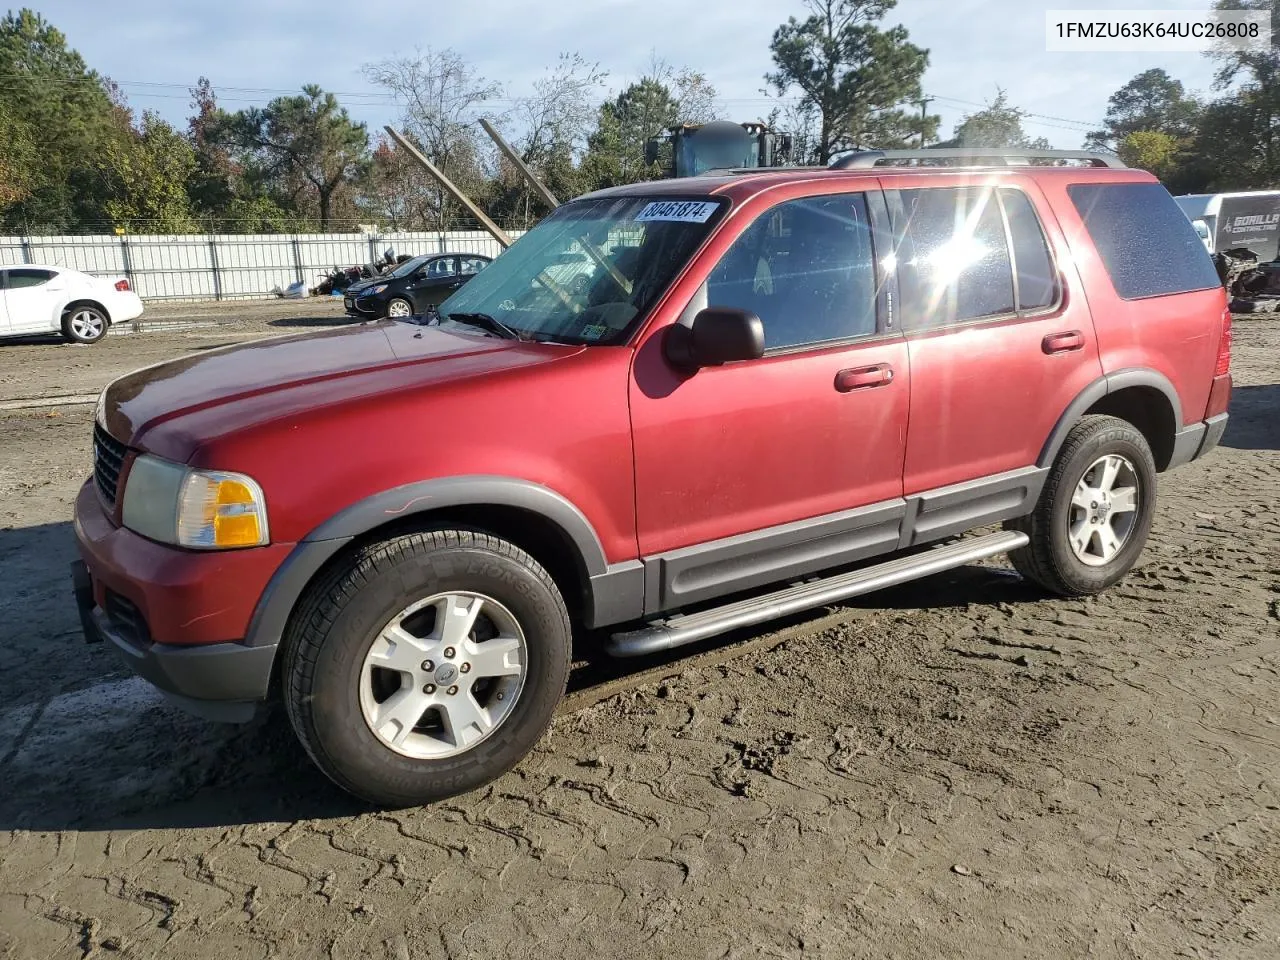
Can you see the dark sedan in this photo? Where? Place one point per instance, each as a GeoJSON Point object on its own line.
{"type": "Point", "coordinates": [414, 286]}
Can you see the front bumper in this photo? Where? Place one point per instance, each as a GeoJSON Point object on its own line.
{"type": "Point", "coordinates": [362, 307]}
{"type": "Point", "coordinates": [179, 617]}
{"type": "Point", "coordinates": [221, 681]}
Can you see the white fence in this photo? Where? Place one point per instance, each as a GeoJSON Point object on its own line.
{"type": "Point", "coordinates": [225, 267]}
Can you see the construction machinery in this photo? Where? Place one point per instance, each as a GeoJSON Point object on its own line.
{"type": "Point", "coordinates": [688, 150]}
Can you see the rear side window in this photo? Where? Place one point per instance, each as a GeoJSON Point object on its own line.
{"type": "Point", "coordinates": [1148, 245]}
{"type": "Point", "coordinates": [1032, 264]}
{"type": "Point", "coordinates": [957, 262]}
{"type": "Point", "coordinates": [28, 278]}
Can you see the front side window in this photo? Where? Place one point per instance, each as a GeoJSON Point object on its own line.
{"type": "Point", "coordinates": [25, 277]}
{"type": "Point", "coordinates": [806, 268]}
{"type": "Point", "coordinates": [442, 267]}
{"type": "Point", "coordinates": [955, 259]}
{"type": "Point", "coordinates": [588, 272]}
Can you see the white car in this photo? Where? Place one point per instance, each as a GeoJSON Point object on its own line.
{"type": "Point", "coordinates": [35, 299]}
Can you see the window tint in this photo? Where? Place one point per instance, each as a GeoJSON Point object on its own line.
{"type": "Point", "coordinates": [1037, 281]}
{"type": "Point", "coordinates": [806, 269]}
{"type": "Point", "coordinates": [28, 278]}
{"type": "Point", "coordinates": [1147, 243]}
{"type": "Point", "coordinates": [957, 260]}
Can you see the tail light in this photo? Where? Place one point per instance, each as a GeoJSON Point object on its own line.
{"type": "Point", "coordinates": [1220, 392]}
{"type": "Point", "coordinates": [122, 286]}
{"type": "Point", "coordinates": [1223, 366]}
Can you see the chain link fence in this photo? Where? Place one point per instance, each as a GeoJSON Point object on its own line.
{"type": "Point", "coordinates": [231, 266]}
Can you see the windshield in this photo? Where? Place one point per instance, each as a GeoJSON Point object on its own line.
{"type": "Point", "coordinates": [590, 271]}
{"type": "Point", "coordinates": [407, 267]}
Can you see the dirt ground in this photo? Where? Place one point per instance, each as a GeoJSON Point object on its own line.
{"type": "Point", "coordinates": [961, 768]}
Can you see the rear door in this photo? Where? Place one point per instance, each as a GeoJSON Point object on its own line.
{"type": "Point", "coordinates": [31, 297]}
{"type": "Point", "coordinates": [999, 343]}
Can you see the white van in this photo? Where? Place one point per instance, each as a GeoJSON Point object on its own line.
{"type": "Point", "coordinates": [1246, 219]}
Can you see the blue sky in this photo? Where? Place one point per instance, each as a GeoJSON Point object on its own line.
{"type": "Point", "coordinates": [254, 50]}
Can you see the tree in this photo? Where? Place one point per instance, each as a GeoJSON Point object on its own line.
{"type": "Point", "coordinates": [441, 96]}
{"type": "Point", "coordinates": [47, 89]}
{"type": "Point", "coordinates": [146, 178]}
{"type": "Point", "coordinates": [996, 125]}
{"type": "Point", "coordinates": [1248, 112]}
{"type": "Point", "coordinates": [17, 159]}
{"type": "Point", "coordinates": [1152, 150]}
{"type": "Point", "coordinates": [552, 123]}
{"type": "Point", "coordinates": [853, 76]}
{"type": "Point", "coordinates": [1151, 101]}
{"type": "Point", "coordinates": [306, 146]}
{"type": "Point", "coordinates": [211, 186]}
{"type": "Point", "coordinates": [615, 153]}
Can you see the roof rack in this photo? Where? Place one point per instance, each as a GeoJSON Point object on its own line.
{"type": "Point", "coordinates": [983, 156]}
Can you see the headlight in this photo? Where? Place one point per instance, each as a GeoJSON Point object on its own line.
{"type": "Point", "coordinates": [201, 509]}
{"type": "Point", "coordinates": [372, 290]}
{"type": "Point", "coordinates": [100, 411]}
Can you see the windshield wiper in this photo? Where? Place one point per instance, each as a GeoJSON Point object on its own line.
{"type": "Point", "coordinates": [486, 322]}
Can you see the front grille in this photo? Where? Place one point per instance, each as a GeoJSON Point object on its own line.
{"type": "Point", "coordinates": [108, 458]}
{"type": "Point", "coordinates": [126, 619]}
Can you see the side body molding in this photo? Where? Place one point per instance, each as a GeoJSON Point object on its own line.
{"type": "Point", "coordinates": [1111, 383]}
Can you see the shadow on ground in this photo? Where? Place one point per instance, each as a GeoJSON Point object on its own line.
{"type": "Point", "coordinates": [1253, 424]}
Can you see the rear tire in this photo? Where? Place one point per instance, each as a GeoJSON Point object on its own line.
{"type": "Point", "coordinates": [394, 704]}
{"type": "Point", "coordinates": [84, 324]}
{"type": "Point", "coordinates": [1092, 520]}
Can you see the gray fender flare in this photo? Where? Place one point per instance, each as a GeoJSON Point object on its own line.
{"type": "Point", "coordinates": [286, 586]}
{"type": "Point", "coordinates": [1095, 391]}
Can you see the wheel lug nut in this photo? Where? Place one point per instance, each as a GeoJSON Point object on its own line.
{"type": "Point", "coordinates": [465, 668]}
{"type": "Point", "coordinates": [499, 696]}
{"type": "Point", "coordinates": [428, 666]}
{"type": "Point", "coordinates": [1094, 505]}
{"type": "Point", "coordinates": [448, 653]}
{"type": "Point", "coordinates": [452, 691]}
{"type": "Point", "coordinates": [429, 688]}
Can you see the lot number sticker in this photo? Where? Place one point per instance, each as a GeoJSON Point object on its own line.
{"type": "Point", "coordinates": [678, 211]}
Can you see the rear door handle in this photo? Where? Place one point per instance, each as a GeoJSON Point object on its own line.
{"type": "Point", "coordinates": [1063, 342]}
{"type": "Point", "coordinates": [860, 378]}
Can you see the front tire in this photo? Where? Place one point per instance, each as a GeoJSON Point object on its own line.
{"type": "Point", "coordinates": [426, 666]}
{"type": "Point", "coordinates": [84, 324]}
{"type": "Point", "coordinates": [1092, 520]}
{"type": "Point", "coordinates": [399, 307]}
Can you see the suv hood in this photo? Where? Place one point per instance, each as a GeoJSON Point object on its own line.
{"type": "Point", "coordinates": [279, 377]}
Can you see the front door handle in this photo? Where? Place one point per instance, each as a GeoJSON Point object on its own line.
{"type": "Point", "coordinates": [1063, 342]}
{"type": "Point", "coordinates": [861, 378]}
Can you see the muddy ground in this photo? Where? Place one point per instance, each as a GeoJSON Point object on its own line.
{"type": "Point", "coordinates": [961, 768]}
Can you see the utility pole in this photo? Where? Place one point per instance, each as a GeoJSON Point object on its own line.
{"type": "Point", "coordinates": [497, 233]}
{"type": "Point", "coordinates": [924, 117]}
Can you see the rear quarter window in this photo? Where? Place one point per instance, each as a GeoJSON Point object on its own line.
{"type": "Point", "coordinates": [1148, 245]}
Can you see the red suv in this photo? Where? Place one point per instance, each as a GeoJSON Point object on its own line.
{"type": "Point", "coordinates": [774, 390]}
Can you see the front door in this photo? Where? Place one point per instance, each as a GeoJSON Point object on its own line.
{"type": "Point", "coordinates": [435, 282]}
{"type": "Point", "coordinates": [754, 471]}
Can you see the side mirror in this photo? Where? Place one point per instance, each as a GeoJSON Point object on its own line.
{"type": "Point", "coordinates": [717, 335]}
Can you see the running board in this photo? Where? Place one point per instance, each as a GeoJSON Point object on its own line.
{"type": "Point", "coordinates": [689, 628]}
